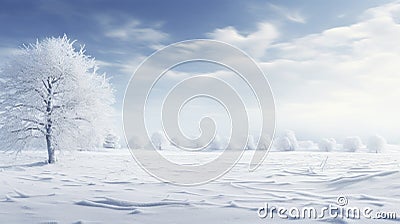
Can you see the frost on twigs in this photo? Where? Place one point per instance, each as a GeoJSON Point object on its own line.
{"type": "Point", "coordinates": [52, 97]}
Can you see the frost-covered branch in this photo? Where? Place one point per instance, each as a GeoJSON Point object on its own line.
{"type": "Point", "coordinates": [51, 90]}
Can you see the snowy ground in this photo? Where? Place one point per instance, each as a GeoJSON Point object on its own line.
{"type": "Point", "coordinates": [108, 187]}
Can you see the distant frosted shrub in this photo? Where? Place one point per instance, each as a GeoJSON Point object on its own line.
{"type": "Point", "coordinates": [136, 142]}
{"type": "Point", "coordinates": [264, 142]}
{"type": "Point", "coordinates": [287, 142]}
{"type": "Point", "coordinates": [292, 139]}
{"type": "Point", "coordinates": [217, 144]}
{"type": "Point", "coordinates": [283, 144]}
{"type": "Point", "coordinates": [111, 141]}
{"type": "Point", "coordinates": [251, 144]}
{"type": "Point", "coordinates": [376, 144]}
{"type": "Point", "coordinates": [352, 144]}
{"type": "Point", "coordinates": [327, 144]}
{"type": "Point", "coordinates": [158, 140]}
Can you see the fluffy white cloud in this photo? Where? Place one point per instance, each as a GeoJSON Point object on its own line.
{"type": "Point", "coordinates": [342, 79]}
{"type": "Point", "coordinates": [131, 29]}
{"type": "Point", "coordinates": [338, 82]}
{"type": "Point", "coordinates": [255, 43]}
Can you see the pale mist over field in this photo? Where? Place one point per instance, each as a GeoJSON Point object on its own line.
{"type": "Point", "coordinates": [333, 72]}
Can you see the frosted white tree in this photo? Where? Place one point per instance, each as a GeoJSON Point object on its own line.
{"type": "Point", "coordinates": [352, 144]}
{"type": "Point", "coordinates": [158, 140]}
{"type": "Point", "coordinates": [111, 141]}
{"type": "Point", "coordinates": [327, 144]}
{"type": "Point", "coordinates": [137, 142]}
{"type": "Point", "coordinates": [251, 144]}
{"type": "Point", "coordinates": [283, 144]}
{"type": "Point", "coordinates": [292, 138]}
{"type": "Point", "coordinates": [376, 144]}
{"type": "Point", "coordinates": [287, 142]}
{"type": "Point", "coordinates": [217, 144]}
{"type": "Point", "coordinates": [264, 142]}
{"type": "Point", "coordinates": [174, 141]}
{"type": "Point", "coordinates": [52, 93]}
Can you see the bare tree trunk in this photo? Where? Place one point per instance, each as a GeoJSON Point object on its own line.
{"type": "Point", "coordinates": [50, 148]}
{"type": "Point", "coordinates": [49, 131]}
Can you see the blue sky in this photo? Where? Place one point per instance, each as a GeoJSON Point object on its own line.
{"type": "Point", "coordinates": [331, 64]}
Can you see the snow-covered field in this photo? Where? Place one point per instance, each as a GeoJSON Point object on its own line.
{"type": "Point", "coordinates": [109, 187]}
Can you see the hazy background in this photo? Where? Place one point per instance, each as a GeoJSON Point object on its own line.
{"type": "Point", "coordinates": [333, 66]}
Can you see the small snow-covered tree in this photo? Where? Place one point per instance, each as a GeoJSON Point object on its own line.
{"type": "Point", "coordinates": [216, 144]}
{"type": "Point", "coordinates": [292, 138]}
{"type": "Point", "coordinates": [327, 144]}
{"type": "Point", "coordinates": [137, 142]}
{"type": "Point", "coordinates": [52, 92]}
{"type": "Point", "coordinates": [174, 141]}
{"type": "Point", "coordinates": [158, 140]}
{"type": "Point", "coordinates": [376, 144]}
{"type": "Point", "coordinates": [111, 141]}
{"type": "Point", "coordinates": [283, 144]}
{"type": "Point", "coordinates": [352, 144]}
{"type": "Point", "coordinates": [287, 142]}
{"type": "Point", "coordinates": [264, 142]}
{"type": "Point", "coordinates": [251, 144]}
